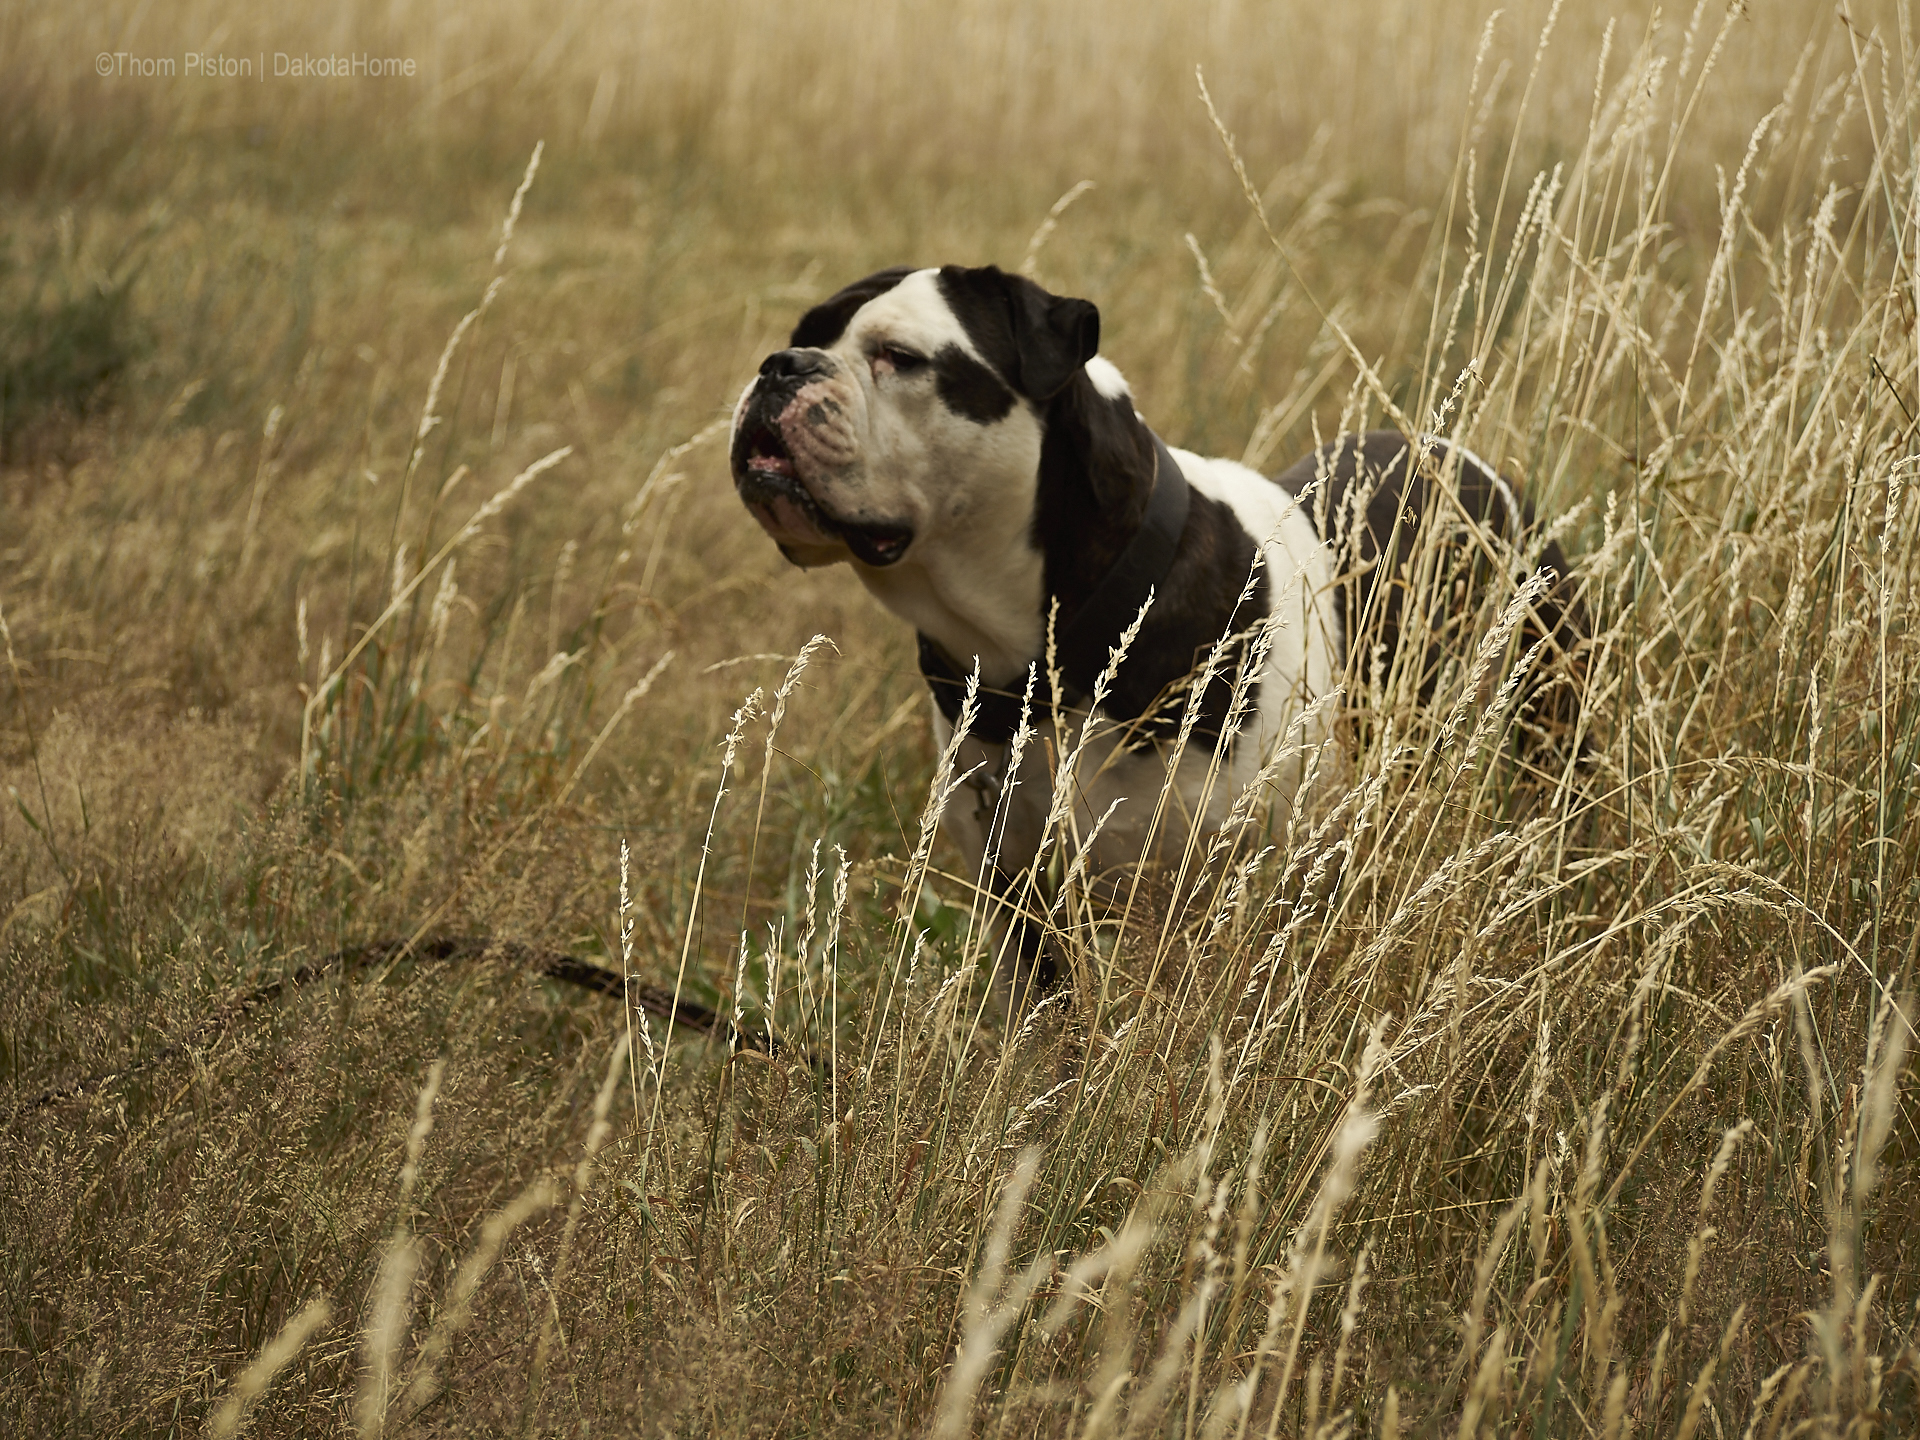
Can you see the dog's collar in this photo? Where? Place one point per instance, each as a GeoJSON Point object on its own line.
{"type": "Point", "coordinates": [1085, 639]}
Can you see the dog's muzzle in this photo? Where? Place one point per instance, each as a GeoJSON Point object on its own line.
{"type": "Point", "coordinates": [770, 483]}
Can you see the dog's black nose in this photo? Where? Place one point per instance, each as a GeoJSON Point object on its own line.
{"type": "Point", "coordinates": [793, 364]}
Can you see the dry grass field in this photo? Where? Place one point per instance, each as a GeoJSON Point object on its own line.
{"type": "Point", "coordinates": [381, 630]}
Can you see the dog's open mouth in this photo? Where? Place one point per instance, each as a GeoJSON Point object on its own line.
{"type": "Point", "coordinates": [772, 489]}
{"type": "Point", "coordinates": [765, 454]}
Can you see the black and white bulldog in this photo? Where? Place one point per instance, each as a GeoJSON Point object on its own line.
{"type": "Point", "coordinates": [954, 435]}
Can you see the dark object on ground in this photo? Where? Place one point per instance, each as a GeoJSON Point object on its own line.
{"type": "Point", "coordinates": [655, 1000]}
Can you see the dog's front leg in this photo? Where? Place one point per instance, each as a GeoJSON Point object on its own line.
{"type": "Point", "coordinates": [996, 817]}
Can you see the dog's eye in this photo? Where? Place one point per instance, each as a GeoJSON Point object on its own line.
{"type": "Point", "coordinates": [902, 362]}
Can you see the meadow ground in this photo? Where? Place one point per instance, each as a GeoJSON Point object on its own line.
{"type": "Point", "coordinates": [357, 607]}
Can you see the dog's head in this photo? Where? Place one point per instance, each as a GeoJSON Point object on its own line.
{"type": "Point", "coordinates": [909, 406]}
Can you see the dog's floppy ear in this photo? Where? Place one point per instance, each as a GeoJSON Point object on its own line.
{"type": "Point", "coordinates": [827, 321]}
{"type": "Point", "coordinates": [1057, 336]}
{"type": "Point", "coordinates": [1036, 340]}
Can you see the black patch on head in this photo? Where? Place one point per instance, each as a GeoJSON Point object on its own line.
{"type": "Point", "coordinates": [1036, 341]}
{"type": "Point", "coordinates": [1372, 508]}
{"type": "Point", "coordinates": [827, 321]}
{"type": "Point", "coordinates": [969, 388]}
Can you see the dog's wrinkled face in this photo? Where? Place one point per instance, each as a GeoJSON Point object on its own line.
{"type": "Point", "coordinates": [905, 413]}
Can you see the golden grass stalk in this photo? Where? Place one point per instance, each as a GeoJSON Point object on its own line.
{"type": "Point", "coordinates": [438, 616]}
{"type": "Point", "coordinates": [33, 747]}
{"type": "Point", "coordinates": [1030, 262]}
{"type": "Point", "coordinates": [1147, 1402]}
{"type": "Point", "coordinates": [1696, 1247]}
{"type": "Point", "coordinates": [739, 993]}
{"type": "Point", "coordinates": [661, 475]}
{"type": "Point", "coordinates": [392, 1305]}
{"type": "Point", "coordinates": [1483, 1275]}
{"type": "Point", "coordinates": [430, 418]}
{"type": "Point", "coordinates": [1702, 1387]}
{"type": "Point", "coordinates": [1879, 1105]}
{"type": "Point", "coordinates": [984, 908]}
{"type": "Point", "coordinates": [1486, 1384]}
{"type": "Point", "coordinates": [624, 919]}
{"type": "Point", "coordinates": [1054, 830]}
{"type": "Point", "coordinates": [749, 708]}
{"type": "Point", "coordinates": [598, 1129]}
{"type": "Point", "coordinates": [946, 780]}
{"type": "Point", "coordinates": [1115, 1264]}
{"type": "Point", "coordinates": [1349, 1322]}
{"type": "Point", "coordinates": [417, 1135]}
{"type": "Point", "coordinates": [1306, 1251]}
{"type": "Point", "coordinates": [830, 965]}
{"type": "Point", "coordinates": [1197, 685]}
{"type": "Point", "coordinates": [384, 1333]}
{"type": "Point", "coordinates": [1375, 386]}
{"type": "Point", "coordinates": [1762, 1010]}
{"type": "Point", "coordinates": [803, 946]}
{"type": "Point", "coordinates": [230, 1416]}
{"type": "Point", "coordinates": [781, 694]}
{"type": "Point", "coordinates": [513, 209]}
{"type": "Point", "coordinates": [992, 1304]}
{"type": "Point", "coordinates": [263, 473]}
{"type": "Point", "coordinates": [404, 592]}
{"type": "Point", "coordinates": [457, 1308]}
{"type": "Point", "coordinates": [1211, 290]}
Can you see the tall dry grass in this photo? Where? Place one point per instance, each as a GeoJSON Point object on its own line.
{"type": "Point", "coordinates": [1479, 1096]}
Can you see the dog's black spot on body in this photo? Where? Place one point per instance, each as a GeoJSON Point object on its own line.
{"type": "Point", "coordinates": [968, 388]}
{"type": "Point", "coordinates": [1375, 494]}
{"type": "Point", "coordinates": [1096, 474]}
{"type": "Point", "coordinates": [826, 322]}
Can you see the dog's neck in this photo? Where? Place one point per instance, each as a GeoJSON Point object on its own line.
{"type": "Point", "coordinates": [980, 593]}
{"type": "Point", "coordinates": [1116, 521]}
{"type": "Point", "coordinates": [985, 590]}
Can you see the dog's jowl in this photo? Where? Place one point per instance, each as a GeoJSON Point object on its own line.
{"type": "Point", "coordinates": [954, 435]}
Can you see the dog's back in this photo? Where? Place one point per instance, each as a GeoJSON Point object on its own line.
{"type": "Point", "coordinates": [1427, 517]}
